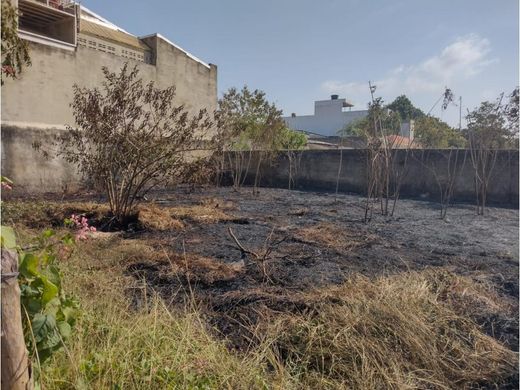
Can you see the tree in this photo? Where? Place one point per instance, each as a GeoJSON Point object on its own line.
{"type": "Point", "coordinates": [131, 137]}
{"type": "Point", "coordinates": [404, 107]}
{"type": "Point", "coordinates": [511, 115]}
{"type": "Point", "coordinates": [292, 142]}
{"type": "Point", "coordinates": [249, 123]}
{"type": "Point", "coordinates": [431, 132]}
{"type": "Point", "coordinates": [15, 51]}
{"type": "Point", "coordinates": [384, 173]}
{"type": "Point", "coordinates": [487, 132]}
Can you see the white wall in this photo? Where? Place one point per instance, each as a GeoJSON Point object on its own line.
{"type": "Point", "coordinates": [328, 118]}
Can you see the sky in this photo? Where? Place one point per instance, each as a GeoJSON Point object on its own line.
{"type": "Point", "coordinates": [299, 51]}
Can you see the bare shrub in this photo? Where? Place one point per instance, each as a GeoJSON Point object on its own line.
{"type": "Point", "coordinates": [131, 138]}
{"type": "Point", "coordinates": [262, 256]}
{"type": "Point", "coordinates": [491, 127]}
{"type": "Point", "coordinates": [385, 172]}
{"type": "Point", "coordinates": [446, 175]}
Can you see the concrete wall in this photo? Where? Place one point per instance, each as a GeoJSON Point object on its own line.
{"type": "Point", "coordinates": [30, 171]}
{"type": "Point", "coordinates": [42, 93]}
{"type": "Point", "coordinates": [36, 106]}
{"type": "Point", "coordinates": [318, 170]}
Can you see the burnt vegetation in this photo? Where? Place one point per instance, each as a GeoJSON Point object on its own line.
{"type": "Point", "coordinates": [301, 290]}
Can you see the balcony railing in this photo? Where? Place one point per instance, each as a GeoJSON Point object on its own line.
{"type": "Point", "coordinates": [48, 21]}
{"type": "Point", "coordinates": [63, 5]}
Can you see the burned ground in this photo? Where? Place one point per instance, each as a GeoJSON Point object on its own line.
{"type": "Point", "coordinates": [318, 240]}
{"type": "Point", "coordinates": [299, 282]}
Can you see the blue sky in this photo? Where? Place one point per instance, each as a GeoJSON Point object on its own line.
{"type": "Point", "coordinates": [299, 51]}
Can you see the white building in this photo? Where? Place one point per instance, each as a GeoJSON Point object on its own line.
{"type": "Point", "coordinates": [329, 117]}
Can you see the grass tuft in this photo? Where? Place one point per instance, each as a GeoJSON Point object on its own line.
{"type": "Point", "coordinates": [397, 332]}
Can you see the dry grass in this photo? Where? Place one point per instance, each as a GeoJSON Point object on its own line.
{"type": "Point", "coordinates": [398, 332]}
{"type": "Point", "coordinates": [299, 212]}
{"type": "Point", "coordinates": [200, 213]}
{"type": "Point", "coordinates": [218, 203]}
{"type": "Point", "coordinates": [42, 214]}
{"type": "Point", "coordinates": [333, 236]}
{"type": "Point", "coordinates": [407, 331]}
{"type": "Point", "coordinates": [153, 217]}
{"type": "Point", "coordinates": [118, 346]}
{"type": "Point", "coordinates": [202, 269]}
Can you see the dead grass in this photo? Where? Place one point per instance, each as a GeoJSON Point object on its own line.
{"type": "Point", "coordinates": [397, 332]}
{"type": "Point", "coordinates": [199, 269]}
{"type": "Point", "coordinates": [153, 217]}
{"type": "Point", "coordinates": [299, 212]}
{"type": "Point", "coordinates": [39, 214]}
{"type": "Point", "coordinates": [187, 267]}
{"type": "Point", "coordinates": [407, 331]}
{"type": "Point", "coordinates": [333, 236]}
{"type": "Point", "coordinates": [218, 203]}
{"type": "Point", "coordinates": [200, 213]}
{"type": "Point", "coordinates": [116, 345]}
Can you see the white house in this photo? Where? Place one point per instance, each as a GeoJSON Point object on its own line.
{"type": "Point", "coordinates": [329, 117]}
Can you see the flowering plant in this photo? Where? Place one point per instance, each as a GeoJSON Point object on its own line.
{"type": "Point", "coordinates": [80, 223]}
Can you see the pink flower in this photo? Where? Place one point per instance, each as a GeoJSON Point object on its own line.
{"type": "Point", "coordinates": [6, 186]}
{"type": "Point", "coordinates": [81, 224]}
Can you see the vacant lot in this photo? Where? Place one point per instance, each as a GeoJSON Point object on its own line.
{"type": "Point", "coordinates": [301, 289]}
{"type": "Point", "coordinates": [317, 240]}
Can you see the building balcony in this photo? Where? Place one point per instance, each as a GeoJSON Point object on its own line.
{"type": "Point", "coordinates": [52, 22]}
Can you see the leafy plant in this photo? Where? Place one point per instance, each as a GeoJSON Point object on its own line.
{"type": "Point", "coordinates": [248, 122]}
{"type": "Point", "coordinates": [49, 313]}
{"type": "Point", "coordinates": [131, 138]}
{"type": "Point", "coordinates": [15, 51]}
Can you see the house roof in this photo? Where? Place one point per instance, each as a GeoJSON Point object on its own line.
{"type": "Point", "coordinates": [400, 142]}
{"type": "Point", "coordinates": [93, 24]}
{"type": "Point", "coordinates": [116, 36]}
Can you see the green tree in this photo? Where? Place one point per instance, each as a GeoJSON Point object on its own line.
{"type": "Point", "coordinates": [431, 132]}
{"type": "Point", "coordinates": [293, 142]}
{"type": "Point", "coordinates": [15, 51]}
{"type": "Point", "coordinates": [249, 122]}
{"type": "Point", "coordinates": [289, 139]}
{"type": "Point", "coordinates": [487, 131]}
{"type": "Point", "coordinates": [487, 126]}
{"type": "Point", "coordinates": [404, 107]}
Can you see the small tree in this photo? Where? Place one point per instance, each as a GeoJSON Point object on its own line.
{"type": "Point", "coordinates": [15, 51]}
{"type": "Point", "coordinates": [487, 132]}
{"type": "Point", "coordinates": [445, 175]}
{"type": "Point", "coordinates": [249, 123]}
{"type": "Point", "coordinates": [131, 137]}
{"type": "Point", "coordinates": [293, 142]}
{"type": "Point", "coordinates": [380, 130]}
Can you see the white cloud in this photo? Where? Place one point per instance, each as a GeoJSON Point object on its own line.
{"type": "Point", "coordinates": [463, 59]}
